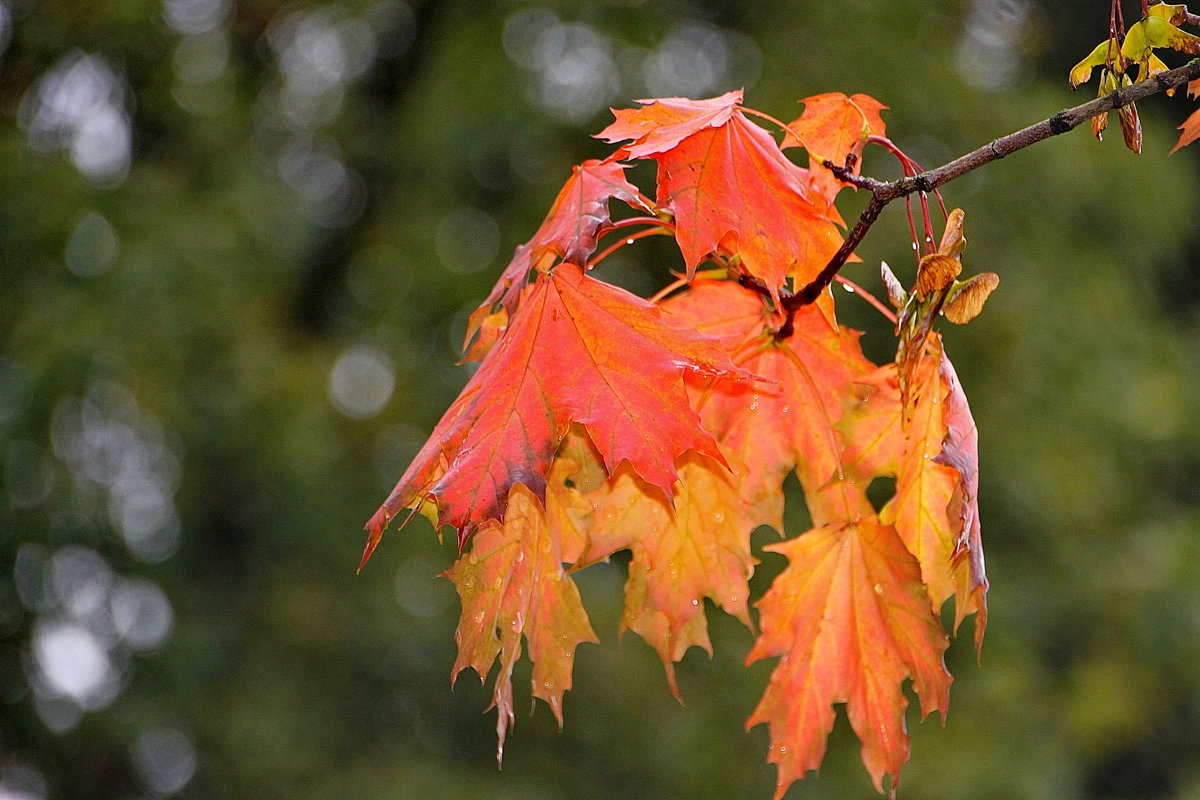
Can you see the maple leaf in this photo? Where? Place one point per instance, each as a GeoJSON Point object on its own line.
{"type": "Point", "coordinates": [770, 428]}
{"type": "Point", "coordinates": [849, 622]}
{"type": "Point", "coordinates": [815, 419]}
{"type": "Point", "coordinates": [579, 350]}
{"type": "Point", "coordinates": [1190, 128]}
{"type": "Point", "coordinates": [512, 585]}
{"type": "Point", "coordinates": [667, 122]}
{"type": "Point", "coordinates": [696, 547]}
{"type": "Point", "coordinates": [932, 453]}
{"type": "Point", "coordinates": [731, 189]}
{"type": "Point", "coordinates": [833, 127]}
{"type": "Point", "coordinates": [961, 451]}
{"type": "Point", "coordinates": [569, 232]}
{"type": "Point", "coordinates": [920, 510]}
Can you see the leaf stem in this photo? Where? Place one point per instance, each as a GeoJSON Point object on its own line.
{"type": "Point", "coordinates": [631, 221]}
{"type": "Point", "coordinates": [660, 227]}
{"type": "Point", "coordinates": [668, 289]}
{"type": "Point", "coordinates": [870, 298]}
{"type": "Point", "coordinates": [763, 115]}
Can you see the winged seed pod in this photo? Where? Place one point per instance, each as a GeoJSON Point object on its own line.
{"type": "Point", "coordinates": [953, 241]}
{"type": "Point", "coordinates": [895, 291]}
{"type": "Point", "coordinates": [1131, 127]}
{"type": "Point", "coordinates": [965, 304]}
{"type": "Point", "coordinates": [936, 272]}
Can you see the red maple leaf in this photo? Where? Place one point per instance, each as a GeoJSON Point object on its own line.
{"type": "Point", "coordinates": [667, 121]}
{"type": "Point", "coordinates": [1190, 128]}
{"type": "Point", "coordinates": [577, 218]}
{"type": "Point", "coordinates": [578, 350]}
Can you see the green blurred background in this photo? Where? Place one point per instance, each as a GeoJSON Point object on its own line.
{"type": "Point", "coordinates": [238, 243]}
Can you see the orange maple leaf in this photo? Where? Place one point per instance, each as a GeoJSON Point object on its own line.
{"type": "Point", "coordinates": [832, 127]}
{"type": "Point", "coordinates": [730, 187]}
{"type": "Point", "coordinates": [839, 423]}
{"type": "Point", "coordinates": [578, 350]}
{"type": "Point", "coordinates": [512, 584]}
{"type": "Point", "coordinates": [683, 552]}
{"type": "Point", "coordinates": [850, 622]}
{"type": "Point", "coordinates": [769, 429]}
{"type": "Point", "coordinates": [1190, 128]}
{"type": "Point", "coordinates": [932, 453]}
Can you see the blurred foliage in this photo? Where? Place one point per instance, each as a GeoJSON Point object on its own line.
{"type": "Point", "coordinates": [238, 242]}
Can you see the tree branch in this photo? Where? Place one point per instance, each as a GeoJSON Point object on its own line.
{"type": "Point", "coordinates": [883, 193]}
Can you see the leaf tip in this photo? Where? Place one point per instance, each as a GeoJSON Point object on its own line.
{"type": "Point", "coordinates": [375, 528]}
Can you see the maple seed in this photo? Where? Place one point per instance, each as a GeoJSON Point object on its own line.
{"type": "Point", "coordinates": [895, 291]}
{"type": "Point", "coordinates": [936, 272]}
{"type": "Point", "coordinates": [965, 304]}
{"type": "Point", "coordinates": [953, 241]}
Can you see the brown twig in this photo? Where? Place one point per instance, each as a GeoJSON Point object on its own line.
{"type": "Point", "coordinates": [883, 193]}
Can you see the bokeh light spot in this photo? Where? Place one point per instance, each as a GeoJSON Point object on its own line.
{"type": "Point", "coordinates": [79, 106]}
{"type": "Point", "coordinates": [467, 240]}
{"type": "Point", "coordinates": [361, 381]}
{"type": "Point", "coordinates": [165, 760]}
{"type": "Point", "coordinates": [92, 247]}
{"type": "Point", "coordinates": [141, 614]}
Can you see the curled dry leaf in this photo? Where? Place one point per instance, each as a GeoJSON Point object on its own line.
{"type": "Point", "coordinates": [953, 239]}
{"type": "Point", "coordinates": [1131, 127]}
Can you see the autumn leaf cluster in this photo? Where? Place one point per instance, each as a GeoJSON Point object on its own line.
{"type": "Point", "coordinates": [598, 421]}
